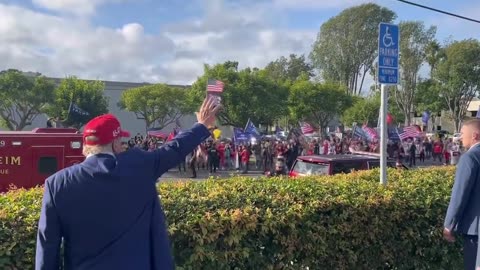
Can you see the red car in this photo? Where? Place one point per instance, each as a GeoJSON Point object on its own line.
{"type": "Point", "coordinates": [333, 164]}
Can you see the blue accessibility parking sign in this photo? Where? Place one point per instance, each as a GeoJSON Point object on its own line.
{"type": "Point", "coordinates": [388, 53]}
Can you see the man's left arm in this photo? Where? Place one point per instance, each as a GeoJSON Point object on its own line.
{"type": "Point", "coordinates": [49, 234]}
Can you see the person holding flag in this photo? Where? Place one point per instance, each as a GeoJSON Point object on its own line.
{"type": "Point", "coordinates": [119, 223]}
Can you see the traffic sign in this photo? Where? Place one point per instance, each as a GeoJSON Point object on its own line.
{"type": "Point", "coordinates": [388, 51]}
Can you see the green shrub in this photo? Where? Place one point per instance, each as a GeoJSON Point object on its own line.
{"type": "Point", "coordinates": [340, 222]}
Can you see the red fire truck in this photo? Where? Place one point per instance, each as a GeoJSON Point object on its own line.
{"type": "Point", "coordinates": [27, 158]}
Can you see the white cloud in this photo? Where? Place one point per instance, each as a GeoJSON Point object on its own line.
{"type": "Point", "coordinates": [59, 46]}
{"type": "Point", "coordinates": [132, 32]}
{"type": "Point", "coordinates": [317, 4]}
{"type": "Point", "coordinates": [79, 7]}
{"type": "Point", "coordinates": [236, 33]}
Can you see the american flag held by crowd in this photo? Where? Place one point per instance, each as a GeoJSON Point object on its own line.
{"type": "Point", "coordinates": [405, 144]}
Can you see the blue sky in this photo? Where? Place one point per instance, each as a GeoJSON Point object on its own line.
{"type": "Point", "coordinates": [169, 41]}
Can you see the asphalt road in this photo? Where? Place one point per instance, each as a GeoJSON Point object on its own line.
{"type": "Point", "coordinates": [427, 163]}
{"type": "Point", "coordinates": [202, 174]}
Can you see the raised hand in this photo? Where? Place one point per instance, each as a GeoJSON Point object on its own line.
{"type": "Point", "coordinates": [208, 112]}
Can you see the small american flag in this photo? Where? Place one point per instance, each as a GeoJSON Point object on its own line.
{"type": "Point", "coordinates": [157, 133]}
{"type": "Point", "coordinates": [215, 86]}
{"type": "Point", "coordinates": [306, 128]}
{"type": "Point", "coordinates": [372, 133]}
{"type": "Point", "coordinates": [409, 132]}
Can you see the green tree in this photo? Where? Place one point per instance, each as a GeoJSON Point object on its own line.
{"type": "Point", "coordinates": [428, 98]}
{"type": "Point", "coordinates": [433, 53]}
{"type": "Point", "coordinates": [363, 110]}
{"type": "Point", "coordinates": [158, 104]}
{"type": "Point", "coordinates": [317, 103]}
{"type": "Point", "coordinates": [367, 110]}
{"type": "Point", "coordinates": [22, 98]}
{"type": "Point", "coordinates": [458, 76]}
{"type": "Point", "coordinates": [88, 95]}
{"type": "Point", "coordinates": [346, 45]}
{"type": "Point", "coordinates": [248, 93]}
{"type": "Point", "coordinates": [414, 39]}
{"type": "Point", "coordinates": [291, 69]}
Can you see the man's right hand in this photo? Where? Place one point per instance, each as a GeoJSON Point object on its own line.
{"type": "Point", "coordinates": [448, 235]}
{"type": "Point", "coordinates": [208, 112]}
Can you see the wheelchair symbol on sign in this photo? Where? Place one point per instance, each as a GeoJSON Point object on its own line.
{"type": "Point", "coordinates": [387, 38]}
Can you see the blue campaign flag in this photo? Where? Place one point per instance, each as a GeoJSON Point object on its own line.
{"type": "Point", "coordinates": [278, 129]}
{"type": "Point", "coordinates": [251, 129]}
{"type": "Point", "coordinates": [358, 132]}
{"type": "Point", "coordinates": [239, 136]}
{"type": "Point", "coordinates": [425, 117]}
{"type": "Point", "coordinates": [75, 109]}
{"type": "Point", "coordinates": [393, 134]}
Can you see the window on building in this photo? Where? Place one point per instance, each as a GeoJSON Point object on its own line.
{"type": "Point", "coordinates": [47, 165]}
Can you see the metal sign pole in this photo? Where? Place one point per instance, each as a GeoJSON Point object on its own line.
{"type": "Point", "coordinates": [384, 134]}
{"type": "Point", "coordinates": [388, 64]}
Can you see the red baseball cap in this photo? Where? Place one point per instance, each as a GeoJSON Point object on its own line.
{"type": "Point", "coordinates": [106, 128]}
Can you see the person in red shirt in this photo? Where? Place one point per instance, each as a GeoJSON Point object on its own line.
{"type": "Point", "coordinates": [245, 157]}
{"type": "Point", "coordinates": [310, 150]}
{"type": "Point", "coordinates": [437, 150]}
{"type": "Point", "coordinates": [326, 144]}
{"type": "Point", "coordinates": [221, 154]}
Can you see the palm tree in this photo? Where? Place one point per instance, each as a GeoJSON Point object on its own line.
{"type": "Point", "coordinates": [433, 53]}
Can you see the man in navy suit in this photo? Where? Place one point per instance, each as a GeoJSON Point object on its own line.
{"type": "Point", "coordinates": [106, 210]}
{"type": "Point", "coordinates": [463, 211]}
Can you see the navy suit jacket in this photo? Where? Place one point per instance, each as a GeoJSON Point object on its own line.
{"type": "Point", "coordinates": [464, 209]}
{"type": "Point", "coordinates": [107, 210]}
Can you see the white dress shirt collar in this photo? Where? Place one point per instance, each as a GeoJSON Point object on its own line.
{"type": "Point", "coordinates": [107, 153]}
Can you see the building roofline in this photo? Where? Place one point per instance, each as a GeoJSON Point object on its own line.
{"type": "Point", "coordinates": [56, 79]}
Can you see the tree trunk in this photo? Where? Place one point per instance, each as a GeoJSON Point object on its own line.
{"type": "Point", "coordinates": [433, 121]}
{"type": "Point", "coordinates": [363, 79]}
{"type": "Point", "coordinates": [457, 122]}
{"type": "Point", "coordinates": [355, 83]}
{"type": "Point", "coordinates": [147, 126]}
{"type": "Point", "coordinates": [23, 123]}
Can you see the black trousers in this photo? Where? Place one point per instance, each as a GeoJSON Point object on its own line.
{"type": "Point", "coordinates": [193, 168]}
{"type": "Point", "coordinates": [412, 160]}
{"type": "Point", "coordinates": [212, 165]}
{"type": "Point", "coordinates": [470, 245]}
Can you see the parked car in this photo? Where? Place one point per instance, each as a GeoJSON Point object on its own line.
{"type": "Point", "coordinates": [334, 164]}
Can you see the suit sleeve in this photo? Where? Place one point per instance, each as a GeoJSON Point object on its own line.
{"type": "Point", "coordinates": [175, 152]}
{"type": "Point", "coordinates": [49, 234]}
{"type": "Point", "coordinates": [465, 178]}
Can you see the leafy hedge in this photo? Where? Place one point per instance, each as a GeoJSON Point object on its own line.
{"type": "Point", "coordinates": [340, 222]}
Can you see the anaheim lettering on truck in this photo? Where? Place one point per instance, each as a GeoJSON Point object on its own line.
{"type": "Point", "coordinates": [9, 160]}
